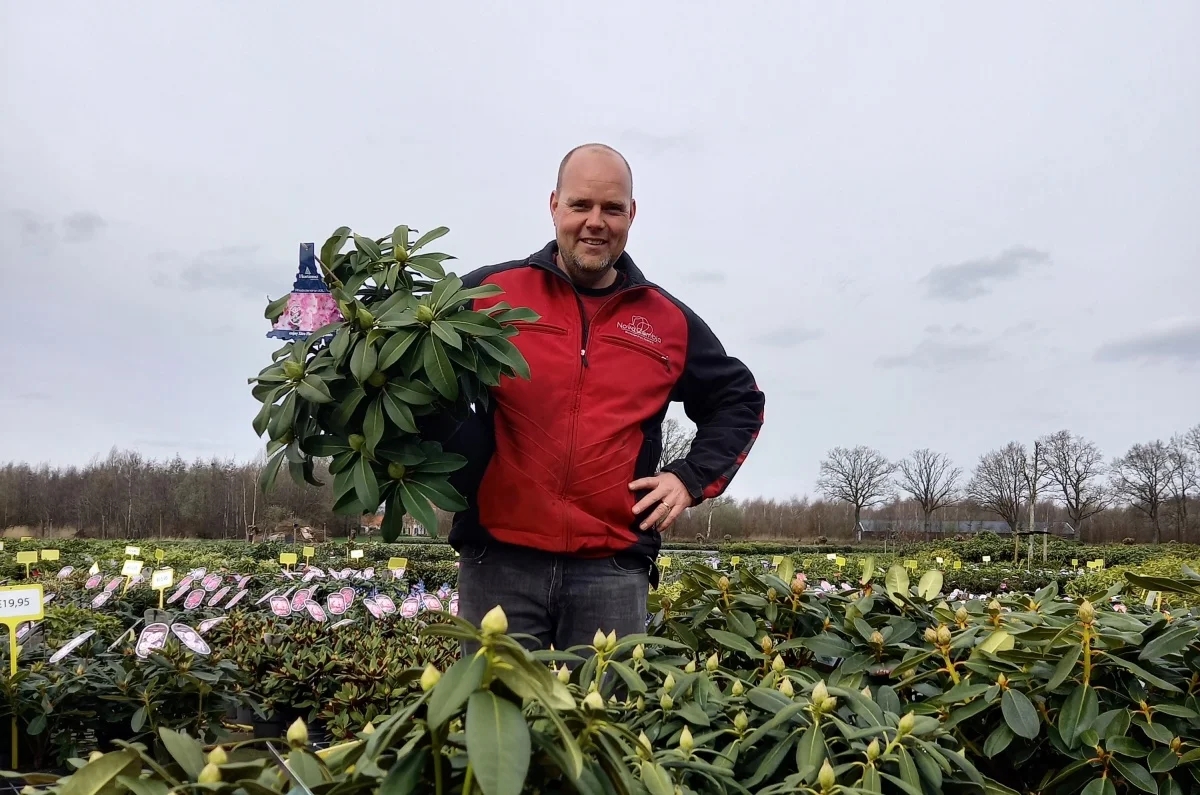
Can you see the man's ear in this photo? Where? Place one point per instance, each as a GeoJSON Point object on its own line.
{"type": "Point", "coordinates": [553, 202]}
{"type": "Point", "coordinates": [632, 209]}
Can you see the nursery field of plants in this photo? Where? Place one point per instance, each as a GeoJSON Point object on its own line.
{"type": "Point", "coordinates": [762, 669]}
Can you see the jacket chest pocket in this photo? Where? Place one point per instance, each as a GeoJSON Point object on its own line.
{"type": "Point", "coordinates": [653, 355]}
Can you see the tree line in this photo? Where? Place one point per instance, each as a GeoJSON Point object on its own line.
{"type": "Point", "coordinates": [1149, 494]}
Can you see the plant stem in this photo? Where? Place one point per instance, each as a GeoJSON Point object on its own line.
{"type": "Point", "coordinates": [1087, 655]}
{"type": "Point", "coordinates": [468, 779]}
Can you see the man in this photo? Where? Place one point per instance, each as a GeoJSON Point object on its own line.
{"type": "Point", "coordinates": [566, 503]}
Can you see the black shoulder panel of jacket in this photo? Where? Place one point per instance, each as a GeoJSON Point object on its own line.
{"type": "Point", "coordinates": [719, 394]}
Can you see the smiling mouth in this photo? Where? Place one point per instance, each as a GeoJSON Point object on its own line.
{"type": "Point", "coordinates": [592, 241]}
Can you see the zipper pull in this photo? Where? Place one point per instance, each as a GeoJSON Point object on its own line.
{"type": "Point", "coordinates": [583, 355]}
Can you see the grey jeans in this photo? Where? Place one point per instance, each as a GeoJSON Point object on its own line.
{"type": "Point", "coordinates": [556, 599]}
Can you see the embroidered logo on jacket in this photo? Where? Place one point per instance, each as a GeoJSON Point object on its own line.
{"type": "Point", "coordinates": [641, 329]}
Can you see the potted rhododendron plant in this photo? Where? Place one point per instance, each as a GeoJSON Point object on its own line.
{"type": "Point", "coordinates": [371, 391]}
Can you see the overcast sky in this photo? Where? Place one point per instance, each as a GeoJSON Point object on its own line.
{"type": "Point", "coordinates": [945, 225]}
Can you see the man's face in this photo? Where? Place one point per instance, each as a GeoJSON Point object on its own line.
{"type": "Point", "coordinates": [592, 213]}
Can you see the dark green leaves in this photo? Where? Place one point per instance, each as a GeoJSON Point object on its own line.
{"type": "Point", "coordinates": [1019, 714]}
{"type": "Point", "coordinates": [314, 390]}
{"type": "Point", "coordinates": [497, 744]}
{"type": "Point", "coordinates": [1077, 714]}
{"type": "Point", "coordinates": [366, 486]}
{"type": "Point", "coordinates": [456, 685]}
{"type": "Point", "coordinates": [363, 360]}
{"type": "Point", "coordinates": [417, 506]}
{"type": "Point", "coordinates": [504, 352]}
{"type": "Point", "coordinates": [275, 309]}
{"type": "Point", "coordinates": [438, 368]}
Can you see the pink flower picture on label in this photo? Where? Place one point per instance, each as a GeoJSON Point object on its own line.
{"type": "Point", "coordinates": [385, 603]}
{"type": "Point", "coordinates": [243, 581]}
{"type": "Point", "coordinates": [153, 637]}
{"type": "Point", "coordinates": [190, 638]}
{"type": "Point", "coordinates": [280, 606]}
{"type": "Point", "coordinates": [433, 603]}
{"type": "Point", "coordinates": [315, 610]}
{"type": "Point", "coordinates": [372, 608]}
{"type": "Point", "coordinates": [65, 572]}
{"type": "Point", "coordinates": [101, 598]}
{"type": "Point", "coordinates": [336, 604]}
{"type": "Point", "coordinates": [348, 595]}
{"type": "Point", "coordinates": [300, 598]}
{"type": "Point", "coordinates": [209, 623]}
{"type": "Point", "coordinates": [212, 582]}
{"type": "Point", "coordinates": [180, 591]}
{"type": "Point", "coordinates": [410, 607]}
{"type": "Point", "coordinates": [93, 581]}
{"type": "Point", "coordinates": [113, 584]}
{"type": "Point", "coordinates": [454, 603]}
{"type": "Point", "coordinates": [237, 597]}
{"type": "Point", "coordinates": [218, 596]}
{"type": "Point", "coordinates": [194, 599]}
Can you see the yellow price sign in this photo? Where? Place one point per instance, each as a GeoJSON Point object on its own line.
{"type": "Point", "coordinates": [309, 551]}
{"type": "Point", "coordinates": [27, 557]}
{"type": "Point", "coordinates": [910, 564]}
{"type": "Point", "coordinates": [735, 560]}
{"type": "Point", "coordinates": [397, 563]}
{"type": "Point", "coordinates": [775, 561]}
{"type": "Point", "coordinates": [159, 555]}
{"type": "Point", "coordinates": [49, 554]}
{"type": "Point", "coordinates": [664, 563]}
{"type": "Point", "coordinates": [840, 561]}
{"type": "Point", "coordinates": [18, 604]}
{"type": "Point", "coordinates": [26, 538]}
{"type": "Point", "coordinates": [287, 558]}
{"type": "Point", "coordinates": [1099, 563]}
{"type": "Point", "coordinates": [160, 580]}
{"type": "Point", "coordinates": [958, 564]}
{"type": "Point", "coordinates": [1074, 563]}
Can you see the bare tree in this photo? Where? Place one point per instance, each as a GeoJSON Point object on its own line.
{"type": "Point", "coordinates": [676, 441]}
{"type": "Point", "coordinates": [1182, 482]}
{"type": "Point", "coordinates": [1141, 478]}
{"type": "Point", "coordinates": [860, 476]}
{"type": "Point", "coordinates": [1036, 476]}
{"type": "Point", "coordinates": [931, 479]}
{"type": "Point", "coordinates": [998, 483]}
{"type": "Point", "coordinates": [1075, 466]}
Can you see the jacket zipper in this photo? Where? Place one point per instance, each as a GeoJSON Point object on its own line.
{"type": "Point", "coordinates": [624, 343]}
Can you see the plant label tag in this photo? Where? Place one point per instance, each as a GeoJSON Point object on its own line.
{"type": "Point", "coordinates": [218, 596]}
{"type": "Point", "coordinates": [211, 582]}
{"type": "Point", "coordinates": [113, 584]}
{"type": "Point", "coordinates": [92, 581]}
{"type": "Point", "coordinates": [153, 638]}
{"type": "Point", "coordinates": [385, 603]}
{"type": "Point", "coordinates": [243, 581]}
{"type": "Point", "coordinates": [71, 645]}
{"type": "Point", "coordinates": [131, 568]}
{"type": "Point", "coordinates": [336, 604]}
{"type": "Point", "coordinates": [308, 575]}
{"type": "Point", "coordinates": [20, 603]}
{"type": "Point", "coordinates": [310, 552]}
{"type": "Point", "coordinates": [287, 558]}
{"type": "Point", "coordinates": [454, 603]}
{"type": "Point", "coordinates": [831, 556]}
{"type": "Point", "coordinates": [194, 599]}
{"type": "Point", "coordinates": [348, 595]}
{"type": "Point", "coordinates": [315, 611]}
{"type": "Point", "coordinates": [180, 591]}
{"type": "Point", "coordinates": [209, 623]}
{"type": "Point", "coordinates": [356, 554]}
{"type": "Point", "coordinates": [345, 622]}
{"type": "Point", "coordinates": [987, 558]}
{"type": "Point", "coordinates": [410, 607]}
{"type": "Point", "coordinates": [190, 638]}
{"type": "Point", "coordinates": [280, 606]}
{"type": "Point", "coordinates": [266, 596]}
{"type": "Point", "coordinates": [735, 560]}
{"type": "Point", "coordinates": [432, 603]}
{"type": "Point", "coordinates": [301, 598]}
{"type": "Point", "coordinates": [101, 598]}
{"type": "Point", "coordinates": [237, 597]}
{"type": "Point", "coordinates": [958, 564]}
{"type": "Point", "coordinates": [65, 572]}
{"type": "Point", "coordinates": [133, 552]}
{"type": "Point", "coordinates": [161, 579]}
{"type": "Point", "coordinates": [196, 574]}
{"type": "Point", "coordinates": [373, 608]}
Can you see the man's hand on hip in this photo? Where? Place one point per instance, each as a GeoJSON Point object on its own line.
{"type": "Point", "coordinates": [668, 496]}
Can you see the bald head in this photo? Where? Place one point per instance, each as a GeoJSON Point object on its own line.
{"type": "Point", "coordinates": [603, 150]}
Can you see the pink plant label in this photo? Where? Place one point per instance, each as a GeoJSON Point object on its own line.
{"type": "Point", "coordinates": [101, 598]}
{"type": "Point", "coordinates": [209, 623]}
{"type": "Point", "coordinates": [345, 622]}
{"type": "Point", "coordinates": [336, 604]}
{"type": "Point", "coordinates": [315, 611]}
{"type": "Point", "coordinates": [212, 582]}
{"type": "Point", "coordinates": [180, 591]}
{"type": "Point", "coordinates": [194, 599]}
{"type": "Point", "coordinates": [113, 584]}
{"type": "Point", "coordinates": [65, 572]}
{"type": "Point", "coordinates": [237, 597]}
{"type": "Point", "coordinates": [300, 598]}
{"type": "Point", "coordinates": [385, 603]}
{"type": "Point", "coordinates": [454, 603]}
{"type": "Point", "coordinates": [153, 638]}
{"type": "Point", "coordinates": [348, 595]}
{"type": "Point", "coordinates": [190, 638]}
{"type": "Point", "coordinates": [93, 581]}
{"type": "Point", "coordinates": [372, 608]}
{"type": "Point", "coordinates": [280, 606]}
{"type": "Point", "coordinates": [218, 596]}
{"type": "Point", "coordinates": [410, 607]}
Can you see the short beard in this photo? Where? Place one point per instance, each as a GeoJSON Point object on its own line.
{"type": "Point", "coordinates": [586, 273]}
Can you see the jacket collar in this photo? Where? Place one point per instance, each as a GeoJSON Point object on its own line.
{"type": "Point", "coordinates": [624, 264]}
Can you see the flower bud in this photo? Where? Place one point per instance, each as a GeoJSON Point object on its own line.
{"type": "Point", "coordinates": [766, 644]}
{"type": "Point", "coordinates": [712, 663]}
{"type": "Point", "coordinates": [1002, 680]}
{"type": "Point", "coordinates": [666, 702]}
{"type": "Point", "coordinates": [639, 652]}
{"type": "Point", "coordinates": [873, 750]}
{"type": "Point", "coordinates": [961, 615]}
{"type": "Point", "coordinates": [866, 691]}
{"type": "Point", "coordinates": [777, 664]}
{"type": "Point", "coordinates": [723, 583]}
{"type": "Point", "coordinates": [599, 641]}
{"type": "Point", "coordinates": [640, 704]}
{"type": "Point", "coordinates": [994, 606]}
{"type": "Point", "coordinates": [494, 622]}
{"type": "Point", "coordinates": [669, 683]}
{"type": "Point", "coordinates": [430, 677]}
{"type": "Point", "coordinates": [564, 675]}
{"type": "Point", "coordinates": [610, 641]}
{"type": "Point", "coordinates": [798, 585]}
{"type": "Point", "coordinates": [645, 750]}
{"type": "Point", "coordinates": [826, 777]}
{"type": "Point", "coordinates": [737, 688]}
{"type": "Point", "coordinates": [740, 721]}
{"type": "Point", "coordinates": [785, 687]}
{"type": "Point", "coordinates": [424, 314]}
{"type": "Point", "coordinates": [930, 635]}
{"type": "Point", "coordinates": [907, 722]}
{"type": "Point", "coordinates": [1176, 744]}
{"type": "Point", "coordinates": [686, 743]}
{"type": "Point", "coordinates": [690, 668]}
{"type": "Point", "coordinates": [217, 756]}
{"type": "Point", "coordinates": [210, 774]}
{"type": "Point", "coordinates": [369, 729]}
{"type": "Point", "coordinates": [943, 635]}
{"type": "Point", "coordinates": [876, 638]}
{"type": "Point", "coordinates": [819, 692]}
{"type": "Point", "coordinates": [594, 701]}
{"type": "Point", "coordinates": [772, 595]}
{"type": "Point", "coordinates": [829, 704]}
{"type": "Point", "coordinates": [1087, 613]}
{"type": "Point", "coordinates": [297, 734]}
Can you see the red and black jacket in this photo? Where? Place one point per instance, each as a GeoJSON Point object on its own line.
{"type": "Point", "coordinates": [551, 459]}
